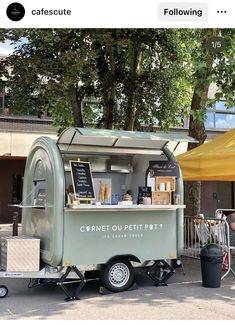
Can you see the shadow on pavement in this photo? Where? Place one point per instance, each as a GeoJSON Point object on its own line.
{"type": "Point", "coordinates": [183, 298]}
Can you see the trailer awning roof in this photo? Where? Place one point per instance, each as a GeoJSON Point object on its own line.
{"type": "Point", "coordinates": [119, 139]}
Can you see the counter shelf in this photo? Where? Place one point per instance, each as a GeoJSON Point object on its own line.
{"type": "Point", "coordinates": [133, 207]}
{"type": "Point", "coordinates": [110, 207]}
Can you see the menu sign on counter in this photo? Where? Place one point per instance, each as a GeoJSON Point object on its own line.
{"type": "Point", "coordinates": [82, 180]}
{"type": "Point", "coordinates": [163, 168]}
{"type": "Point", "coordinates": [144, 191]}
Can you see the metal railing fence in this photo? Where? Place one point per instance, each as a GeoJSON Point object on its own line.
{"type": "Point", "coordinates": [199, 231]}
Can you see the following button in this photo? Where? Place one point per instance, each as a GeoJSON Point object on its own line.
{"type": "Point", "coordinates": [183, 11]}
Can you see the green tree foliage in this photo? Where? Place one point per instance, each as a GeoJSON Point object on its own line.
{"type": "Point", "coordinates": [154, 73]}
{"type": "Point", "coordinates": [52, 68]}
{"type": "Point", "coordinates": [135, 74]}
{"type": "Point", "coordinates": [138, 76]}
{"type": "Point", "coordinates": [207, 68]}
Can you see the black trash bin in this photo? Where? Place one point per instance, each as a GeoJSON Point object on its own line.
{"type": "Point", "coordinates": [211, 257]}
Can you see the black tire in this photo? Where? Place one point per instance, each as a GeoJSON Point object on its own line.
{"type": "Point", "coordinates": [3, 291]}
{"type": "Point", "coordinates": [117, 275]}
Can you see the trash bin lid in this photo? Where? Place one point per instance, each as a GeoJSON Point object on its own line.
{"type": "Point", "coordinates": [211, 250]}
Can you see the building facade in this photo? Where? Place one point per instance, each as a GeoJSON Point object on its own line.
{"type": "Point", "coordinates": [17, 135]}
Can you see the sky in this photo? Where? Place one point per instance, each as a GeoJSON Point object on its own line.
{"type": "Point", "coordinates": [6, 48]}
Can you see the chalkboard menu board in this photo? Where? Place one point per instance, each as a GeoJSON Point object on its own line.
{"type": "Point", "coordinates": [163, 168]}
{"type": "Point", "coordinates": [144, 191]}
{"type": "Point", "coordinates": [82, 180]}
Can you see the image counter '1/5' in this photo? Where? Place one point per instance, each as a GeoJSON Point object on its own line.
{"type": "Point", "coordinates": [215, 44]}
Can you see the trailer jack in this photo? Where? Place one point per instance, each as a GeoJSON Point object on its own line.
{"type": "Point", "coordinates": [160, 272]}
{"type": "Point", "coordinates": [81, 282]}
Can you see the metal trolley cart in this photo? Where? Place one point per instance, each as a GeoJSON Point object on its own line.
{"type": "Point", "coordinates": [103, 200]}
{"type": "Point", "coordinates": [59, 276]}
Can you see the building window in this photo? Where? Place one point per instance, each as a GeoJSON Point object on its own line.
{"type": "Point", "coordinates": [224, 121]}
{"type": "Point", "coordinates": [220, 117]}
{"type": "Point", "coordinates": [210, 120]}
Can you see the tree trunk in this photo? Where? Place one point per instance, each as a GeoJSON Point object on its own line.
{"type": "Point", "coordinates": [76, 102]}
{"type": "Point", "coordinates": [198, 132]}
{"type": "Point", "coordinates": [132, 91]}
{"type": "Point", "coordinates": [109, 98]}
{"type": "Point", "coordinates": [109, 102]}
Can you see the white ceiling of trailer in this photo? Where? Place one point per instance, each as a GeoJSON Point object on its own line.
{"type": "Point", "coordinates": [120, 139]}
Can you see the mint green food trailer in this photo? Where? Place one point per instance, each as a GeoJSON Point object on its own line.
{"type": "Point", "coordinates": [112, 238]}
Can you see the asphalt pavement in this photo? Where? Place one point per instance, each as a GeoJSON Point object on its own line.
{"type": "Point", "coordinates": [183, 298]}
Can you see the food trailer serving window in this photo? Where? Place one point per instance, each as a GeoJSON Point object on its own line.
{"type": "Point", "coordinates": [119, 159]}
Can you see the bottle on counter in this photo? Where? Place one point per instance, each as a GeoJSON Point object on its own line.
{"type": "Point", "coordinates": [168, 186]}
{"type": "Point", "coordinates": [176, 199]}
{"type": "Point", "coordinates": [162, 186]}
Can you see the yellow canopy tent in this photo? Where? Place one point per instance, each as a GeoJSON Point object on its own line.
{"type": "Point", "coordinates": [212, 161]}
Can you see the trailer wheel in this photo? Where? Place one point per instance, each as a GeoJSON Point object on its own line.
{"type": "Point", "coordinates": [3, 291]}
{"type": "Point", "coordinates": [117, 275]}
